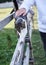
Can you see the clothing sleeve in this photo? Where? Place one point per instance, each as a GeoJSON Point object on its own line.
{"type": "Point", "coordinates": [27, 4]}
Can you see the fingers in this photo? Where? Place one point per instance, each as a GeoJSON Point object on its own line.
{"type": "Point", "coordinates": [20, 12]}
{"type": "Point", "coordinates": [24, 13]}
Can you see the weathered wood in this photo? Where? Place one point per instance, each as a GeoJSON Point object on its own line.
{"type": "Point", "coordinates": [27, 55]}
{"type": "Point", "coordinates": [18, 53]}
{"type": "Point", "coordinates": [6, 20]}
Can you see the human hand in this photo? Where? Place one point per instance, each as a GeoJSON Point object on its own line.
{"type": "Point", "coordinates": [21, 12]}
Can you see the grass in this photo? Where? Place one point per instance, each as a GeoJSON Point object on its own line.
{"type": "Point", "coordinates": [8, 40]}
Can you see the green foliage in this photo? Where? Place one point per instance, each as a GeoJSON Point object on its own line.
{"type": "Point", "coordinates": [1, 1]}
{"type": "Point", "coordinates": [8, 40]}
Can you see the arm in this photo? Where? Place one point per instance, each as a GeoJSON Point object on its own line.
{"type": "Point", "coordinates": [27, 4]}
{"type": "Point", "coordinates": [24, 8]}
